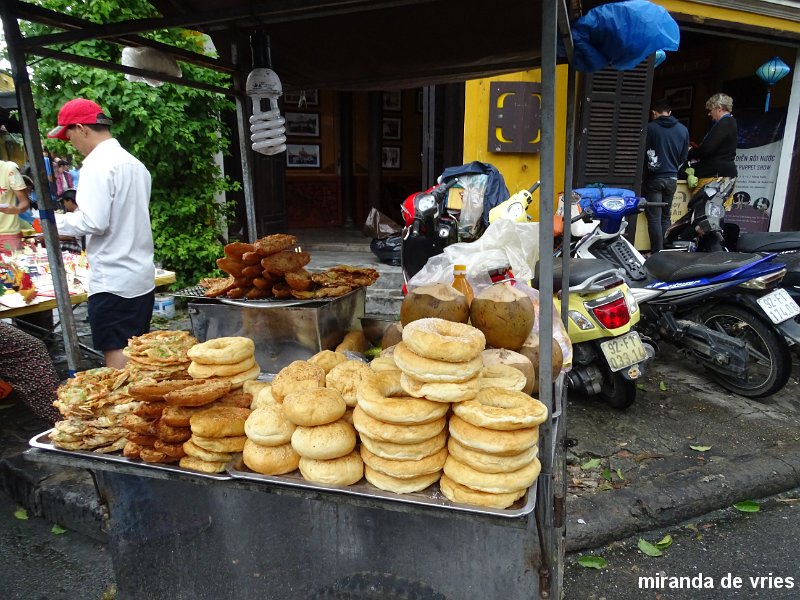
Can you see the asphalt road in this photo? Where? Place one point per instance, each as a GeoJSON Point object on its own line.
{"type": "Point", "coordinates": [37, 564]}
{"type": "Point", "coordinates": [728, 543]}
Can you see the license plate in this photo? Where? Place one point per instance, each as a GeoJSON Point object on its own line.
{"type": "Point", "coordinates": [624, 351]}
{"type": "Point", "coordinates": [779, 306]}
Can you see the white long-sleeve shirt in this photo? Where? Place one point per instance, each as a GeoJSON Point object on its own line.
{"type": "Point", "coordinates": [113, 198]}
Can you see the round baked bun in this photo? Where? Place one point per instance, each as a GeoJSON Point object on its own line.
{"type": "Point", "coordinates": [405, 469]}
{"type": "Point", "coordinates": [324, 442]}
{"type": "Point", "coordinates": [345, 470]}
{"type": "Point", "coordinates": [400, 486]}
{"type": "Point", "coordinates": [327, 359]}
{"type": "Point", "coordinates": [319, 406]}
{"type": "Point", "coordinates": [268, 426]}
{"type": "Point", "coordinates": [346, 377]}
{"type": "Point", "coordinates": [222, 351]}
{"type": "Point", "coordinates": [297, 376]}
{"type": "Point", "coordinates": [219, 421]}
{"type": "Point", "coordinates": [455, 492]}
{"type": "Point", "coordinates": [270, 460]}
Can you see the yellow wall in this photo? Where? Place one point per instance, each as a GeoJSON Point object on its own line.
{"type": "Point", "coordinates": [700, 12]}
{"type": "Point", "coordinates": [519, 170]}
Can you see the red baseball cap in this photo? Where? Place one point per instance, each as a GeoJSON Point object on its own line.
{"type": "Point", "coordinates": [78, 112]}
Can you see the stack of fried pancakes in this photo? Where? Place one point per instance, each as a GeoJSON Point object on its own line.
{"type": "Point", "coordinates": [160, 354]}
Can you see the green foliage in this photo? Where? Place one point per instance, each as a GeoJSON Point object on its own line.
{"type": "Point", "coordinates": [174, 130]}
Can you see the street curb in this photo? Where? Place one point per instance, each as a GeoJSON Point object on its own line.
{"type": "Point", "coordinates": [676, 497]}
{"type": "Point", "coordinates": [61, 495]}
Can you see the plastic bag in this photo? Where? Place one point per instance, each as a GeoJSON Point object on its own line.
{"type": "Point", "coordinates": [388, 250]}
{"type": "Point", "coordinates": [378, 226]}
{"type": "Point", "coordinates": [149, 59]}
{"type": "Point", "coordinates": [505, 243]}
{"type": "Point", "coordinates": [472, 189]}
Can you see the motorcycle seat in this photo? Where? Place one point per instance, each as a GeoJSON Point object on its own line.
{"type": "Point", "coordinates": [680, 266]}
{"type": "Point", "coordinates": [580, 269]}
{"type": "Point", "coordinates": [769, 241]}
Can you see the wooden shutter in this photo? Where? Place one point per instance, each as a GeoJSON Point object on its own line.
{"type": "Point", "coordinates": [614, 111]}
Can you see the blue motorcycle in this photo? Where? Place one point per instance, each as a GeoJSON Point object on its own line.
{"type": "Point", "coordinates": [724, 309]}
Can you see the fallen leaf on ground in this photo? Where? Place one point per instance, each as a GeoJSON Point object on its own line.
{"type": "Point", "coordinates": [747, 506]}
{"type": "Point", "coordinates": [647, 548]}
{"type": "Point", "coordinates": [592, 562]}
{"type": "Point", "coordinates": [700, 448]}
{"type": "Point", "coordinates": [646, 456]}
{"type": "Point", "coordinates": [591, 464]}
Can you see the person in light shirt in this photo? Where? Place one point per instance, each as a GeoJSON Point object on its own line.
{"type": "Point", "coordinates": [13, 202]}
{"type": "Point", "coordinates": [114, 199]}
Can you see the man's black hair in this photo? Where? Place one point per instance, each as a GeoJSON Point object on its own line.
{"type": "Point", "coordinates": [661, 105]}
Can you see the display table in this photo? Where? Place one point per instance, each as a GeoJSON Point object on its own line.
{"type": "Point", "coordinates": [12, 305]}
{"type": "Point", "coordinates": [173, 534]}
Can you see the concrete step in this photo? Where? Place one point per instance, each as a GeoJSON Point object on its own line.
{"type": "Point", "coordinates": [384, 303]}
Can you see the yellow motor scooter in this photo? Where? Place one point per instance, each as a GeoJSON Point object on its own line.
{"type": "Point", "coordinates": [608, 356]}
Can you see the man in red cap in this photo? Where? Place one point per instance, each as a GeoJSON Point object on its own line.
{"type": "Point", "coordinates": [114, 198]}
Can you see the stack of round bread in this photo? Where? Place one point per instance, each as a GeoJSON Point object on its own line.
{"type": "Point", "coordinates": [160, 426]}
{"type": "Point", "coordinates": [268, 449]}
{"type": "Point", "coordinates": [402, 438]}
{"type": "Point", "coordinates": [216, 433]}
{"type": "Point", "coordinates": [227, 359]}
{"type": "Point", "coordinates": [325, 442]}
{"type": "Point", "coordinates": [493, 448]}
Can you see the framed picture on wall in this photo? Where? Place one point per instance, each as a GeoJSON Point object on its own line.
{"type": "Point", "coordinates": [390, 157]}
{"type": "Point", "coordinates": [391, 128]}
{"type": "Point", "coordinates": [392, 101]}
{"type": "Point", "coordinates": [293, 98]}
{"type": "Point", "coordinates": [680, 98]}
{"type": "Point", "coordinates": [302, 124]}
{"type": "Point", "coordinates": [299, 156]}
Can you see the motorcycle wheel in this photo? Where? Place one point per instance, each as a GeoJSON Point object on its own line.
{"type": "Point", "coordinates": [770, 363]}
{"type": "Point", "coordinates": [617, 391]}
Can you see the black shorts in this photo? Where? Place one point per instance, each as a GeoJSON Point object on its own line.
{"type": "Point", "coordinates": [114, 319]}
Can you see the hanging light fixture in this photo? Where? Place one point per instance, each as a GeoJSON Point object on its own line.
{"type": "Point", "coordinates": [661, 56]}
{"type": "Point", "coordinates": [772, 72]}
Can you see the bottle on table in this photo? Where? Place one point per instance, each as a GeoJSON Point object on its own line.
{"type": "Point", "coordinates": [460, 282]}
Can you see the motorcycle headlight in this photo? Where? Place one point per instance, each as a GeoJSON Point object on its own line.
{"type": "Point", "coordinates": [614, 203]}
{"type": "Point", "coordinates": [425, 203]}
{"type": "Point", "coordinates": [515, 210]}
{"type": "Point", "coordinates": [443, 232]}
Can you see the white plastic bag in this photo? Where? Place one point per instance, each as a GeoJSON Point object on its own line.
{"type": "Point", "coordinates": [504, 243]}
{"type": "Point", "coordinates": [151, 60]}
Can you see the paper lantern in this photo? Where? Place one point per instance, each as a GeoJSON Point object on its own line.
{"type": "Point", "coordinates": [772, 72]}
{"type": "Point", "coordinates": [661, 56]}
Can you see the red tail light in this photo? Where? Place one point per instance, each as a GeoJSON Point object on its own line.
{"type": "Point", "coordinates": [613, 315]}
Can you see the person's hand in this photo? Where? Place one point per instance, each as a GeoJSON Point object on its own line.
{"type": "Point", "coordinates": [11, 210]}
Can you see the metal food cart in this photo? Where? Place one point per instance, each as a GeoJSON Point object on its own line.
{"type": "Point", "coordinates": [176, 534]}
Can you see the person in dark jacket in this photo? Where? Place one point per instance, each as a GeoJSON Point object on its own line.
{"type": "Point", "coordinates": [667, 145]}
{"type": "Point", "coordinates": [716, 154]}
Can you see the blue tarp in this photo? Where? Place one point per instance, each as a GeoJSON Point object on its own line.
{"type": "Point", "coordinates": [622, 34]}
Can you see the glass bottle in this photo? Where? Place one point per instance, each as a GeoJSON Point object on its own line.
{"type": "Point", "coordinates": [460, 282]}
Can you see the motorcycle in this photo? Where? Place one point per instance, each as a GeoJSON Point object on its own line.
{"type": "Point", "coordinates": [717, 306]}
{"type": "Point", "coordinates": [608, 356]}
{"type": "Point", "coordinates": [429, 229]}
{"type": "Point", "coordinates": [703, 229]}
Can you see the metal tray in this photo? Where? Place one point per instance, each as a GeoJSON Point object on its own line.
{"type": "Point", "coordinates": [429, 497]}
{"type": "Point", "coordinates": [42, 442]}
{"type": "Point", "coordinates": [197, 291]}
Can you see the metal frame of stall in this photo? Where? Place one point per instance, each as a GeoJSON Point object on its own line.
{"type": "Point", "coordinates": [161, 523]}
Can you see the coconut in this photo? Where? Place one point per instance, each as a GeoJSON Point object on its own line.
{"type": "Point", "coordinates": [531, 349]}
{"type": "Point", "coordinates": [501, 356]}
{"type": "Point", "coordinates": [504, 314]}
{"type": "Point", "coordinates": [392, 335]}
{"type": "Point", "coordinates": [434, 300]}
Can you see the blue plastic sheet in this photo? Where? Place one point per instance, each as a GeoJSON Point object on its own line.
{"type": "Point", "coordinates": [622, 34]}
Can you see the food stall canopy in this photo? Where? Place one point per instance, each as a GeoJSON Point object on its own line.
{"type": "Point", "coordinates": [343, 44]}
